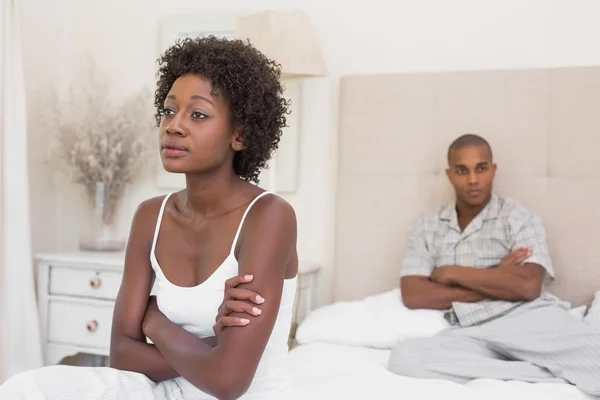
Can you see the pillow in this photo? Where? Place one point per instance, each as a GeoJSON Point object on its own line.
{"type": "Point", "coordinates": [378, 321]}
{"type": "Point", "coordinates": [592, 317]}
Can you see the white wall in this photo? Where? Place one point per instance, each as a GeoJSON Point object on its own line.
{"type": "Point", "coordinates": [379, 36]}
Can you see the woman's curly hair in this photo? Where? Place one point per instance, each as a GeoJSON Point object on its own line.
{"type": "Point", "coordinates": [249, 82]}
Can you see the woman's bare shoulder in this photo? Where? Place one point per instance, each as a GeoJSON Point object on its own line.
{"type": "Point", "coordinates": [146, 215]}
{"type": "Point", "coordinates": [272, 205]}
{"type": "Point", "coordinates": [271, 213]}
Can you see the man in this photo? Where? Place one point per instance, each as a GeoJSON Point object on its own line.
{"type": "Point", "coordinates": [484, 260]}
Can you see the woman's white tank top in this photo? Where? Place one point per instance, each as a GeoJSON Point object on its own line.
{"type": "Point", "coordinates": [195, 308]}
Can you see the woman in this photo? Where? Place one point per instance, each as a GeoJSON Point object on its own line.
{"type": "Point", "coordinates": [220, 111]}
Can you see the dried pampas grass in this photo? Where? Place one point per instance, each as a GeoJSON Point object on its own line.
{"type": "Point", "coordinates": [101, 143]}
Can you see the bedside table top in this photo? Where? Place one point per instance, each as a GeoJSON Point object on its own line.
{"type": "Point", "coordinates": [85, 258]}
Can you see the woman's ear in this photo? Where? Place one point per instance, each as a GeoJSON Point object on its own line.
{"type": "Point", "coordinates": [238, 143]}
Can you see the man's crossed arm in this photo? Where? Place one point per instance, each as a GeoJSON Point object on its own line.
{"type": "Point", "coordinates": [511, 280]}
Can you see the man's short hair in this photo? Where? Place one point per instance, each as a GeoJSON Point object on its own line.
{"type": "Point", "coordinates": [468, 140]}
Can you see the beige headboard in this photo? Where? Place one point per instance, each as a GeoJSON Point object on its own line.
{"type": "Point", "coordinates": [544, 128]}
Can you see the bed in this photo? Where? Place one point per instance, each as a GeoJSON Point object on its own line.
{"type": "Point", "coordinates": [393, 135]}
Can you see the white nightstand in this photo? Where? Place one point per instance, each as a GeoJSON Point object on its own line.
{"type": "Point", "coordinates": [77, 291]}
{"type": "Point", "coordinates": [76, 294]}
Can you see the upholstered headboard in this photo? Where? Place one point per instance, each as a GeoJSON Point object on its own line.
{"type": "Point", "coordinates": [544, 128]}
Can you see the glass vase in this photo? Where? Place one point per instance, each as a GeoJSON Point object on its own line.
{"type": "Point", "coordinates": [100, 232]}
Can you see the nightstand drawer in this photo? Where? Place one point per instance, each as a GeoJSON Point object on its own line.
{"type": "Point", "coordinates": [88, 283]}
{"type": "Point", "coordinates": [79, 324]}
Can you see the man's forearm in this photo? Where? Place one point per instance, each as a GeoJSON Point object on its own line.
{"type": "Point", "coordinates": [499, 283]}
{"type": "Point", "coordinates": [421, 293]}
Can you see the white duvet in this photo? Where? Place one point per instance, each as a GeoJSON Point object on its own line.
{"type": "Point", "coordinates": [344, 348]}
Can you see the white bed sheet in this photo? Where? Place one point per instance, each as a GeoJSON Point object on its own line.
{"type": "Point", "coordinates": [324, 371]}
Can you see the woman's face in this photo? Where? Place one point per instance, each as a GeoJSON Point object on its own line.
{"type": "Point", "coordinates": [196, 131]}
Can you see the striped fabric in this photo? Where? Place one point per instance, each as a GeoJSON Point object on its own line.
{"type": "Point", "coordinates": [502, 226]}
{"type": "Point", "coordinates": [537, 342]}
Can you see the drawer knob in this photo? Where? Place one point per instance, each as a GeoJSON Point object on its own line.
{"type": "Point", "coordinates": [95, 283]}
{"type": "Point", "coordinates": [92, 326]}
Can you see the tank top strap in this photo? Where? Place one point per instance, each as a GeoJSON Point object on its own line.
{"type": "Point", "coordinates": [159, 221]}
{"type": "Point", "coordinates": [239, 229]}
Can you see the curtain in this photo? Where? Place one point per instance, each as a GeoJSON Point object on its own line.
{"type": "Point", "coordinates": [20, 343]}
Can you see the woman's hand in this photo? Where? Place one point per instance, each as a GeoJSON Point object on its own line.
{"type": "Point", "coordinates": [237, 300]}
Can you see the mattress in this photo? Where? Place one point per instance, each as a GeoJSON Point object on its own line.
{"type": "Point", "coordinates": [326, 371]}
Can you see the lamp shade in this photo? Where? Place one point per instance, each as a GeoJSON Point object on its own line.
{"type": "Point", "coordinates": [285, 37]}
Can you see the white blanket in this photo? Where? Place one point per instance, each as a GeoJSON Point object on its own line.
{"type": "Point", "coordinates": [334, 372]}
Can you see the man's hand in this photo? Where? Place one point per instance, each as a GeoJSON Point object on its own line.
{"type": "Point", "coordinates": [514, 279]}
{"type": "Point", "coordinates": [515, 258]}
{"type": "Point", "coordinates": [445, 275]}
{"type": "Point", "coordinates": [449, 275]}
{"type": "Point", "coordinates": [237, 300]}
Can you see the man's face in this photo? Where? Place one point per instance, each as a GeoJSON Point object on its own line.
{"type": "Point", "coordinates": [471, 173]}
